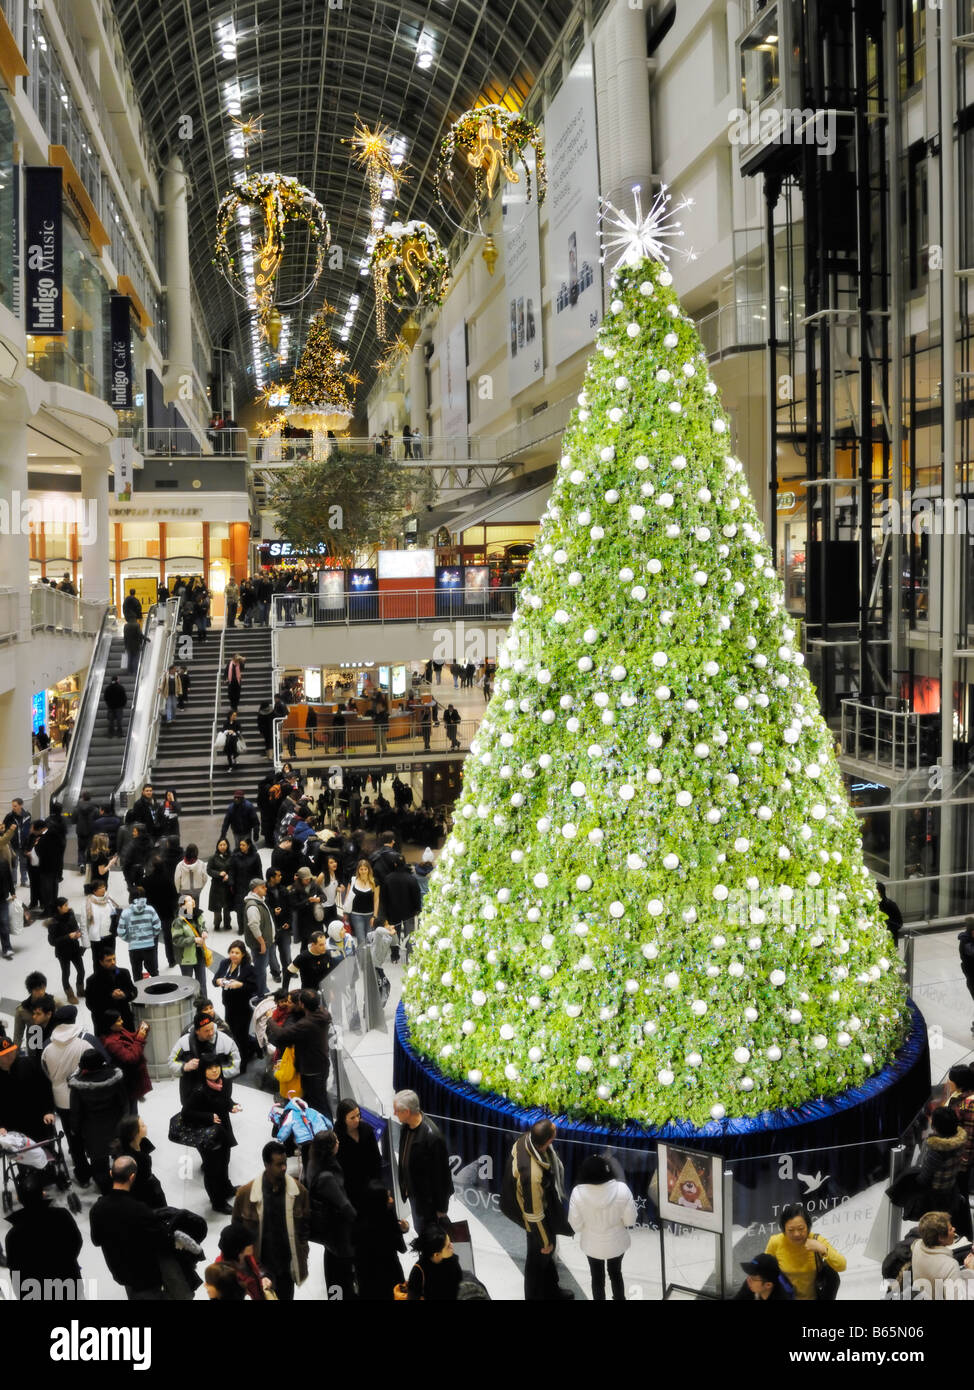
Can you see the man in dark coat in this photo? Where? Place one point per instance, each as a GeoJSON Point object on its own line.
{"type": "Point", "coordinates": [99, 1101]}
{"type": "Point", "coordinates": [533, 1196]}
{"type": "Point", "coordinates": [26, 1099]}
{"type": "Point", "coordinates": [400, 898]}
{"type": "Point", "coordinates": [134, 640]}
{"type": "Point", "coordinates": [84, 819]}
{"type": "Point", "coordinates": [425, 1176]}
{"type": "Point", "coordinates": [110, 987]}
{"type": "Point", "coordinates": [134, 1238]}
{"type": "Point", "coordinates": [242, 818]}
{"type": "Point", "coordinates": [132, 608]}
{"type": "Point", "coordinates": [892, 913]}
{"type": "Point", "coordinates": [43, 1243]}
{"type": "Point", "coordinates": [115, 701]}
{"type": "Point", "coordinates": [107, 823]}
{"type": "Point", "coordinates": [306, 1030]}
{"type": "Point", "coordinates": [146, 813]}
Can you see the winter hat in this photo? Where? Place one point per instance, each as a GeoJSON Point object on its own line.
{"type": "Point", "coordinates": [427, 855]}
{"type": "Point", "coordinates": [90, 1060]}
{"type": "Point", "coordinates": [336, 931]}
{"type": "Point", "coordinates": [67, 1013]}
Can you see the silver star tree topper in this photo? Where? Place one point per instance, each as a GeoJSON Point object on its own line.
{"type": "Point", "coordinates": [645, 235]}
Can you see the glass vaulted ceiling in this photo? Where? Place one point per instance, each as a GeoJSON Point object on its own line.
{"type": "Point", "coordinates": [309, 67]}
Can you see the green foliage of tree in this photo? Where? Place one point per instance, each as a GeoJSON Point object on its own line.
{"type": "Point", "coordinates": [354, 502]}
{"type": "Point", "coordinates": [653, 904]}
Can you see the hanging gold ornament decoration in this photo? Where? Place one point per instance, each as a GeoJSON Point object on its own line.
{"type": "Point", "coordinates": [278, 199]}
{"type": "Point", "coordinates": [250, 129]}
{"type": "Point", "coordinates": [410, 332]}
{"type": "Point", "coordinates": [274, 325]}
{"type": "Point", "coordinates": [492, 141]}
{"type": "Point", "coordinates": [409, 267]}
{"type": "Point", "coordinates": [490, 254]}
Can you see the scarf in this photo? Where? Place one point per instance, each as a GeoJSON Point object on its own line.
{"type": "Point", "coordinates": [215, 1085]}
{"type": "Point", "coordinates": [550, 1162]}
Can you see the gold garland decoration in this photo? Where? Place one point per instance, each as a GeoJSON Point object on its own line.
{"type": "Point", "coordinates": [409, 267]}
{"type": "Point", "coordinates": [279, 199]}
{"type": "Point", "coordinates": [493, 140]}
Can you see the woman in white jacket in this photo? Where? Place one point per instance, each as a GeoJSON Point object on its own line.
{"type": "Point", "coordinates": [600, 1209]}
{"type": "Point", "coordinates": [190, 875]}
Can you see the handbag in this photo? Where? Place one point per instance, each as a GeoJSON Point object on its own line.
{"type": "Point", "coordinates": [400, 1292]}
{"type": "Point", "coordinates": [221, 741]}
{"type": "Point", "coordinates": [16, 910]}
{"type": "Point", "coordinates": [207, 956]}
{"type": "Point", "coordinates": [286, 1075]}
{"type": "Point", "coordinates": [241, 745]}
{"type": "Point", "coordinates": [318, 911]}
{"type": "Point", "coordinates": [826, 1281]}
{"type": "Point", "coordinates": [192, 1136]}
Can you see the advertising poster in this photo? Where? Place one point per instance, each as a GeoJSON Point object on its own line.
{"type": "Point", "coordinates": [522, 274]}
{"type": "Point", "coordinates": [574, 283]}
{"type": "Point", "coordinates": [453, 370]}
{"type": "Point", "coordinates": [43, 239]}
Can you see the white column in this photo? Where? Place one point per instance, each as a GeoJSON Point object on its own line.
{"type": "Point", "coordinates": [629, 95]}
{"type": "Point", "coordinates": [95, 565]}
{"type": "Point", "coordinates": [178, 300]}
{"type": "Point", "coordinates": [15, 748]}
{"type": "Point", "coordinates": [417, 388]}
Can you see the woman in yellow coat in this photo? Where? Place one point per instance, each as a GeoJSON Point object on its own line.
{"type": "Point", "coordinates": [795, 1250]}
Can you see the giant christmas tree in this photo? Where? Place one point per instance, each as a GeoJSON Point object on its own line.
{"type": "Point", "coordinates": [653, 904]}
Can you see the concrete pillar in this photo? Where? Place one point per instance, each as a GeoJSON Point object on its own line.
{"type": "Point", "coordinates": [628, 92]}
{"type": "Point", "coordinates": [178, 299]}
{"type": "Point", "coordinates": [417, 388]}
{"type": "Point", "coordinates": [95, 565]}
{"type": "Point", "coordinates": [15, 749]}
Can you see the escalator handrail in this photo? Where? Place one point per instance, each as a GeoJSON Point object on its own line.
{"type": "Point", "coordinates": [72, 779]}
{"type": "Point", "coordinates": [139, 751]}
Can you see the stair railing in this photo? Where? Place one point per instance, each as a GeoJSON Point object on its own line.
{"type": "Point", "coordinates": [221, 667]}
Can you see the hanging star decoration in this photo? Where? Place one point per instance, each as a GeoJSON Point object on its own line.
{"type": "Point", "coordinates": [250, 129]}
{"type": "Point", "coordinates": [646, 235]}
{"type": "Point", "coordinates": [373, 150]}
{"type": "Point", "coordinates": [354, 381]}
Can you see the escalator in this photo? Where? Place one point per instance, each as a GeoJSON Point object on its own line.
{"type": "Point", "coordinates": [97, 762]}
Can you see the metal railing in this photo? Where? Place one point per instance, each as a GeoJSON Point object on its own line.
{"type": "Point", "coordinates": [53, 611]}
{"type": "Point", "coordinates": [362, 738]}
{"type": "Point", "coordinates": [890, 738]}
{"type": "Point", "coordinates": [744, 324]}
{"type": "Point", "coordinates": [275, 449]}
{"type": "Point", "coordinates": [551, 421]}
{"type": "Point", "coordinates": [220, 668]}
{"type": "Point", "coordinates": [169, 442]}
{"type": "Point", "coordinates": [9, 615]}
{"type": "Point", "coordinates": [148, 699]}
{"type": "Point", "coordinates": [392, 606]}
{"type": "Point", "coordinates": [448, 448]}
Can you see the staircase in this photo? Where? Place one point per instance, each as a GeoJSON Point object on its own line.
{"type": "Point", "coordinates": [103, 770]}
{"type": "Point", "coordinates": [183, 753]}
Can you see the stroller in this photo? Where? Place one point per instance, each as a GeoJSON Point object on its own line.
{"type": "Point", "coordinates": [24, 1163]}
